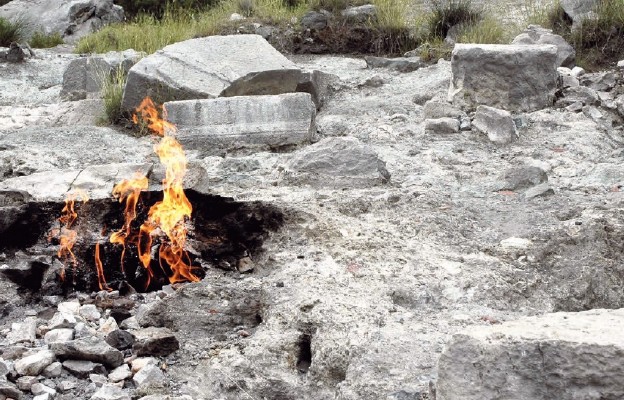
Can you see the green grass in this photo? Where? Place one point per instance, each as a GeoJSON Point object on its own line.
{"type": "Point", "coordinates": [487, 30]}
{"type": "Point", "coordinates": [40, 40]}
{"type": "Point", "coordinates": [446, 14]}
{"type": "Point", "coordinates": [11, 31]}
{"type": "Point", "coordinates": [112, 93]}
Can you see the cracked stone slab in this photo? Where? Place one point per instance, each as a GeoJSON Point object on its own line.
{"type": "Point", "coordinates": [562, 356]}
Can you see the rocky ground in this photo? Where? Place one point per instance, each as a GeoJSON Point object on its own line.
{"type": "Point", "coordinates": [356, 295]}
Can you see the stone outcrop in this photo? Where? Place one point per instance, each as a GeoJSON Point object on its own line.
{"type": "Point", "coordinates": [335, 162]}
{"type": "Point", "coordinates": [561, 356]}
{"type": "Point", "coordinates": [244, 121]}
{"type": "Point", "coordinates": [84, 76]}
{"type": "Point", "coordinates": [215, 66]}
{"type": "Point", "coordinates": [535, 34]}
{"type": "Point", "coordinates": [577, 10]}
{"type": "Point", "coordinates": [72, 19]}
{"type": "Point", "coordinates": [512, 77]}
{"type": "Point", "coordinates": [496, 124]}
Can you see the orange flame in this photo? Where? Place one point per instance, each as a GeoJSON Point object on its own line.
{"type": "Point", "coordinates": [68, 236]}
{"type": "Point", "coordinates": [100, 269]}
{"type": "Point", "coordinates": [168, 216]}
{"type": "Point", "coordinates": [128, 190]}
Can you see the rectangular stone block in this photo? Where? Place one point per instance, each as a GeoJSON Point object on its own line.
{"type": "Point", "coordinates": [519, 78]}
{"type": "Point", "coordinates": [244, 121]}
{"type": "Point", "coordinates": [563, 356]}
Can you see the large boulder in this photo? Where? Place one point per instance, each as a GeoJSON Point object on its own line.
{"type": "Point", "coordinates": [244, 121]}
{"type": "Point", "coordinates": [535, 34]}
{"type": "Point", "coordinates": [72, 19]}
{"type": "Point", "coordinates": [85, 76]}
{"type": "Point", "coordinates": [337, 162]}
{"type": "Point", "coordinates": [511, 77]}
{"type": "Point", "coordinates": [564, 356]}
{"type": "Point", "coordinates": [215, 66]}
{"type": "Point", "coordinates": [578, 10]}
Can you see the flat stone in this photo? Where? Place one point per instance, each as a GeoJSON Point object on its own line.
{"type": "Point", "coordinates": [541, 190]}
{"type": "Point", "coordinates": [88, 349]}
{"type": "Point", "coordinates": [497, 124]}
{"type": "Point", "coordinates": [82, 369]}
{"type": "Point", "coordinates": [120, 339]}
{"type": "Point", "coordinates": [59, 335]}
{"type": "Point", "coordinates": [517, 77]}
{"type": "Point", "coordinates": [24, 383]}
{"type": "Point", "coordinates": [23, 332]}
{"type": "Point", "coordinates": [62, 320]}
{"type": "Point", "coordinates": [69, 307]}
{"type": "Point", "coordinates": [110, 392]}
{"type": "Point", "coordinates": [522, 177]}
{"type": "Point", "coordinates": [435, 109]}
{"type": "Point", "coordinates": [40, 388]}
{"type": "Point", "coordinates": [154, 341]}
{"type": "Point", "coordinates": [53, 370]}
{"type": "Point", "coordinates": [140, 362]}
{"type": "Point", "coordinates": [248, 121]}
{"type": "Point", "coordinates": [338, 161]}
{"type": "Point", "coordinates": [149, 376]}
{"type": "Point", "coordinates": [120, 373]}
{"type": "Point", "coordinates": [562, 356]}
{"type": "Point", "coordinates": [34, 364]}
{"type": "Point", "coordinates": [209, 67]}
{"type": "Point", "coordinates": [442, 125]}
{"type": "Point", "coordinates": [89, 312]}
{"type": "Point", "coordinates": [360, 14]}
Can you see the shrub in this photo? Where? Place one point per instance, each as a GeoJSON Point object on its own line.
{"type": "Point", "coordinates": [11, 31]}
{"type": "Point", "coordinates": [112, 93]}
{"type": "Point", "coordinates": [158, 8]}
{"type": "Point", "coordinates": [599, 41]}
{"type": "Point", "coordinates": [446, 14]}
{"type": "Point", "coordinates": [40, 40]}
{"type": "Point", "coordinates": [487, 30]}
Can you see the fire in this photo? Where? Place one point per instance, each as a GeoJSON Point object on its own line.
{"type": "Point", "coordinates": [128, 190]}
{"type": "Point", "coordinates": [100, 270]}
{"type": "Point", "coordinates": [67, 235]}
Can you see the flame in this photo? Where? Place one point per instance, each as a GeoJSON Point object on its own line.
{"type": "Point", "coordinates": [68, 236]}
{"type": "Point", "coordinates": [100, 269]}
{"type": "Point", "coordinates": [128, 190]}
{"type": "Point", "coordinates": [166, 217]}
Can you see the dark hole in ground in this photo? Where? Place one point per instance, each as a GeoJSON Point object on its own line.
{"type": "Point", "coordinates": [304, 359]}
{"type": "Point", "coordinates": [220, 234]}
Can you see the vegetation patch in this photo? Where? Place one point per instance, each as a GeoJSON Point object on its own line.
{"type": "Point", "coordinates": [11, 31]}
{"type": "Point", "coordinates": [112, 94]}
{"type": "Point", "coordinates": [40, 40]}
{"type": "Point", "coordinates": [448, 14]}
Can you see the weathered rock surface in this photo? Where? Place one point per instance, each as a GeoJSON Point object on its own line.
{"type": "Point", "coordinates": [154, 341]}
{"type": "Point", "coordinates": [72, 19]}
{"type": "Point", "coordinates": [34, 364]}
{"type": "Point", "coordinates": [401, 64]}
{"type": "Point", "coordinates": [149, 376]}
{"type": "Point", "coordinates": [244, 121]}
{"type": "Point", "coordinates": [215, 66]}
{"type": "Point", "coordinates": [517, 77]}
{"type": "Point", "coordinates": [535, 34]}
{"type": "Point", "coordinates": [335, 162]}
{"type": "Point", "coordinates": [497, 124]}
{"type": "Point", "coordinates": [88, 349]}
{"type": "Point", "coordinates": [442, 125]}
{"type": "Point", "coordinates": [360, 14]}
{"type": "Point", "coordinates": [561, 356]}
{"type": "Point", "coordinates": [578, 10]}
{"type": "Point", "coordinates": [84, 76]}
{"type": "Point", "coordinates": [110, 392]}
{"type": "Point", "coordinates": [82, 369]}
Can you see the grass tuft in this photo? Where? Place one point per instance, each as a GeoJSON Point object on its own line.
{"type": "Point", "coordinates": [488, 30]}
{"type": "Point", "coordinates": [40, 40]}
{"type": "Point", "coordinates": [446, 14]}
{"type": "Point", "coordinates": [11, 31]}
{"type": "Point", "coordinates": [112, 93]}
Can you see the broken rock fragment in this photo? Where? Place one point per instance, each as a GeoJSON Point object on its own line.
{"type": "Point", "coordinates": [517, 77]}
{"type": "Point", "coordinates": [82, 369]}
{"type": "Point", "coordinates": [154, 341]}
{"type": "Point", "coordinates": [209, 67]}
{"type": "Point", "coordinates": [562, 356]}
{"type": "Point", "coordinates": [34, 364]}
{"type": "Point", "coordinates": [535, 34]}
{"type": "Point", "coordinates": [338, 161]}
{"type": "Point", "coordinates": [88, 349]}
{"type": "Point", "coordinates": [497, 124]}
{"type": "Point", "coordinates": [110, 392]}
